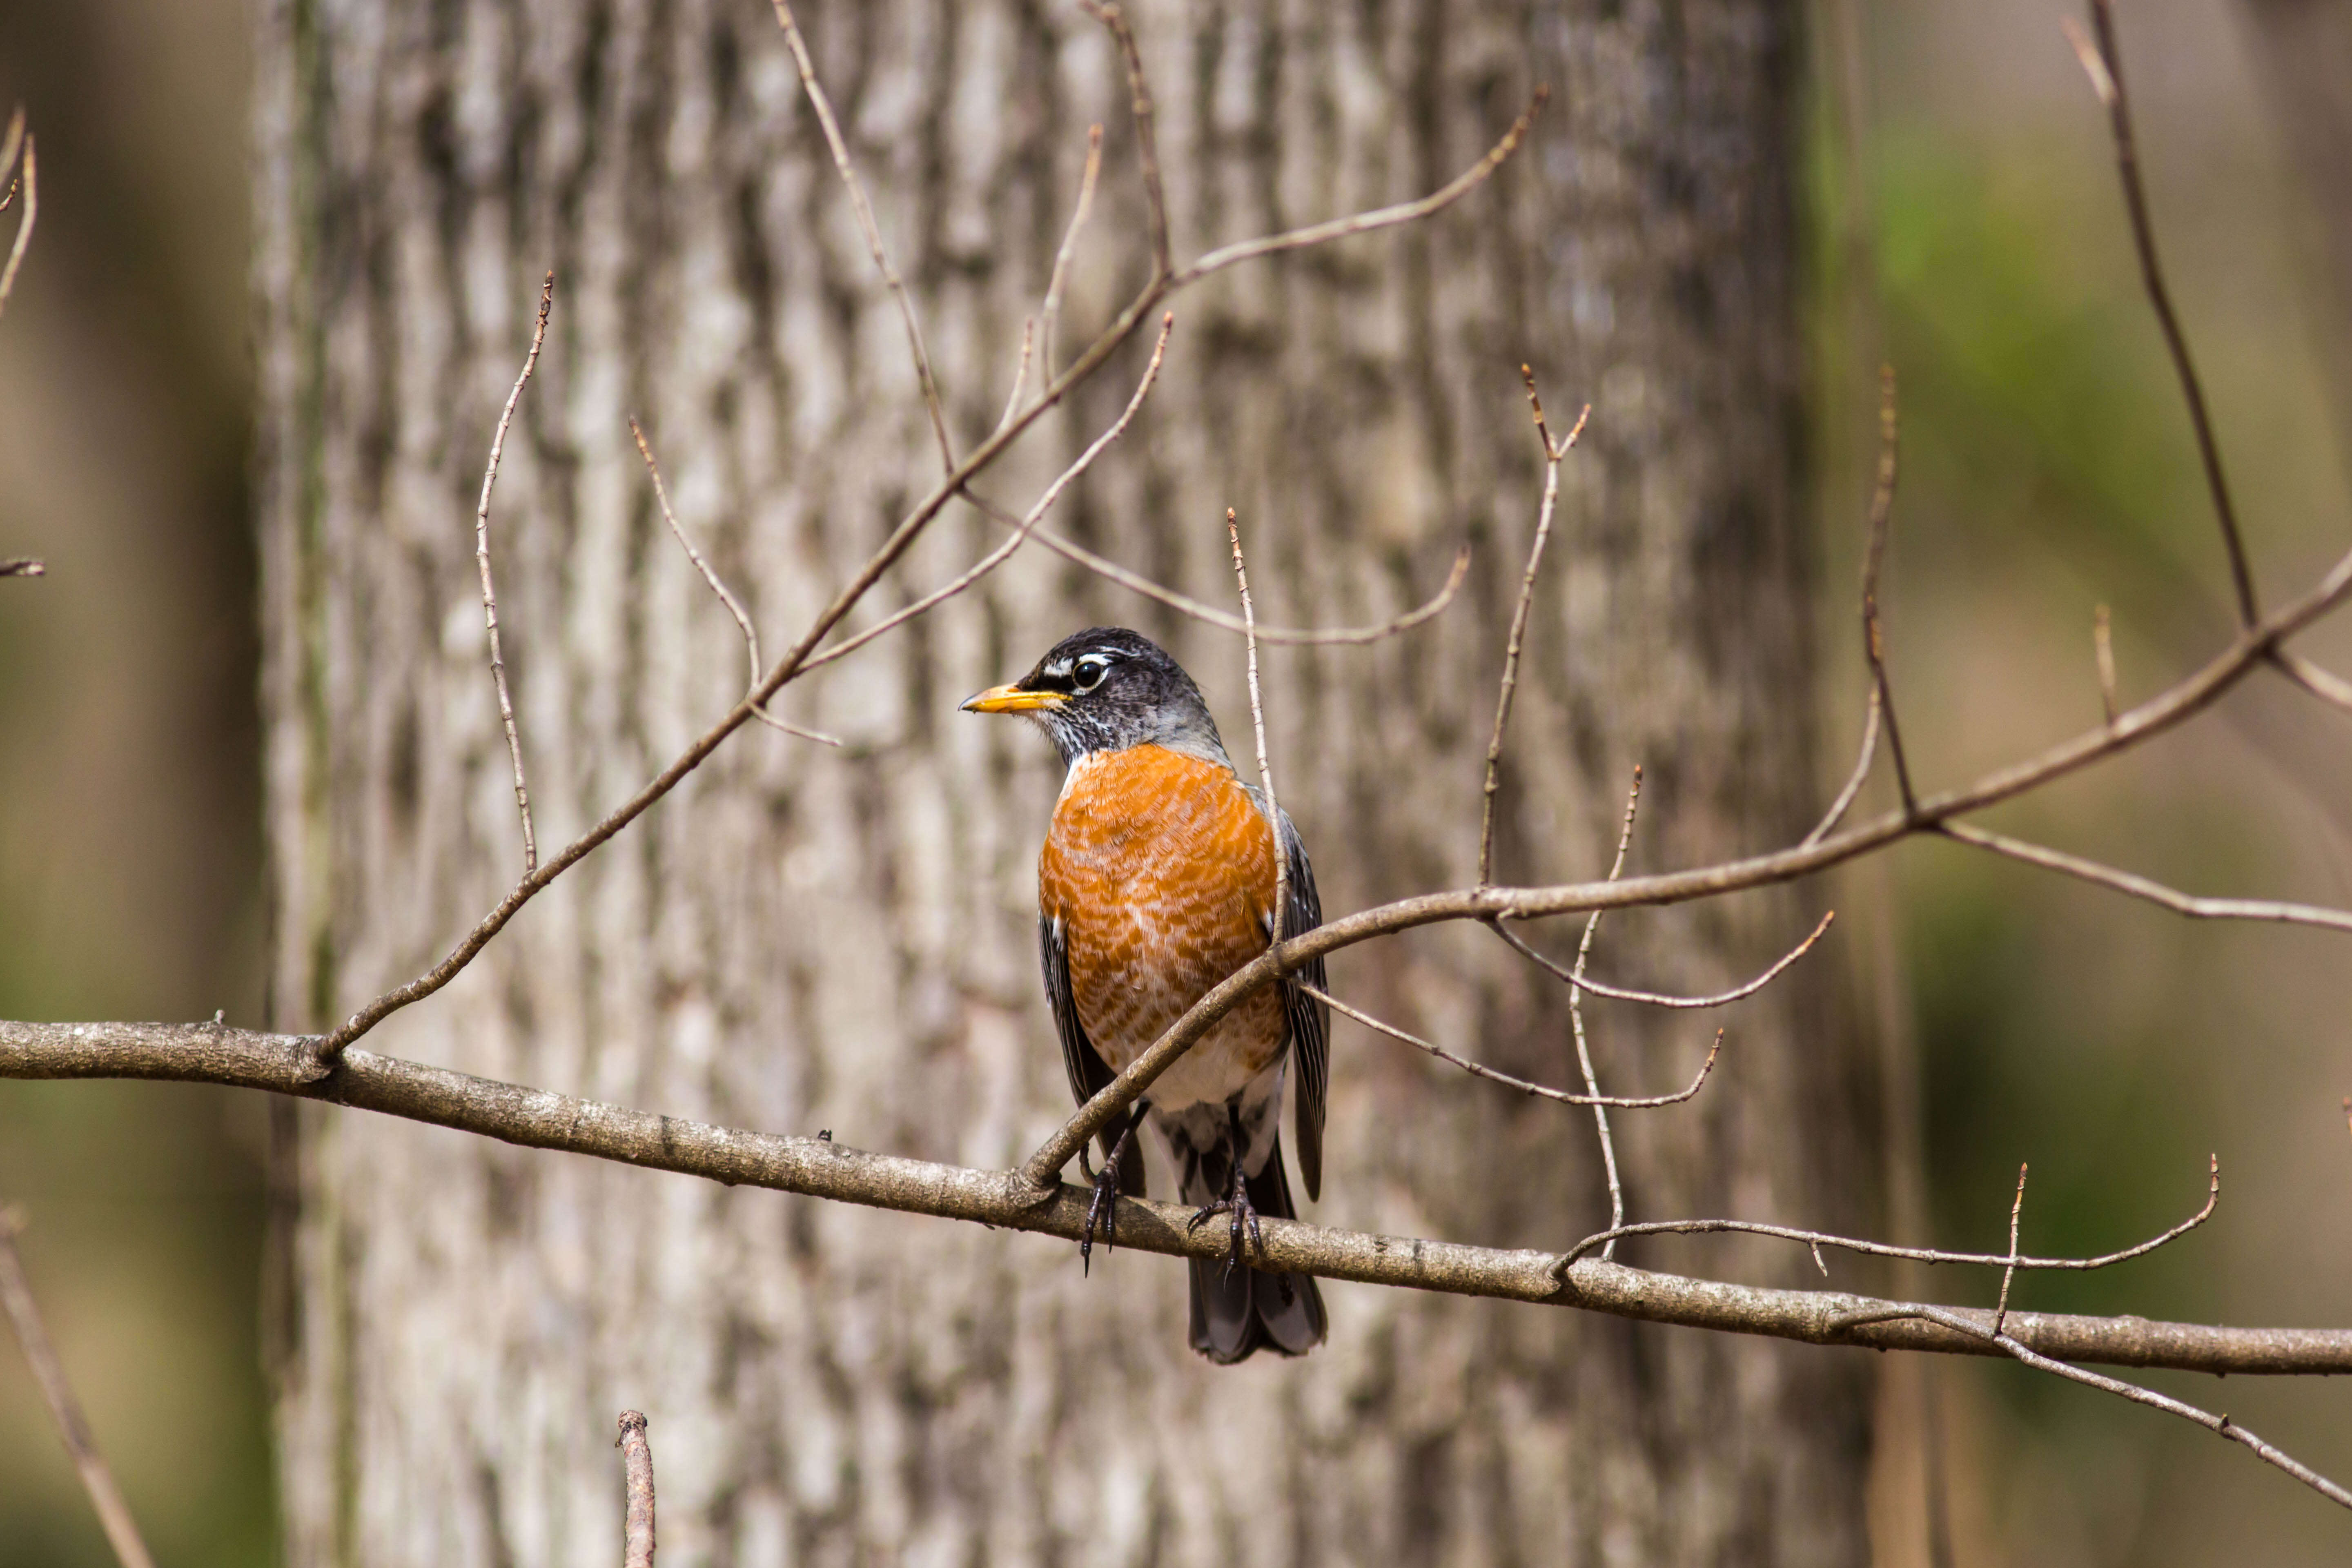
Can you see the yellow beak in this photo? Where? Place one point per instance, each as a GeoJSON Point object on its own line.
{"type": "Point", "coordinates": [1013, 700]}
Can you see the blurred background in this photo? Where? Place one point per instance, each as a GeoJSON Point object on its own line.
{"type": "Point", "coordinates": [1967, 229]}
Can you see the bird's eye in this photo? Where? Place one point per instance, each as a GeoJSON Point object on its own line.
{"type": "Point", "coordinates": [1090, 673]}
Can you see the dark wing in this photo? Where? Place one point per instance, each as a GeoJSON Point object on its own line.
{"type": "Point", "coordinates": [1088, 1072]}
{"type": "Point", "coordinates": [1310, 1020]}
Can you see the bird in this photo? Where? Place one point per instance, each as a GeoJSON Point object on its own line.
{"type": "Point", "coordinates": [1156, 881]}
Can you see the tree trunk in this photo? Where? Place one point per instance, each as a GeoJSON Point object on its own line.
{"type": "Point", "coordinates": [803, 938]}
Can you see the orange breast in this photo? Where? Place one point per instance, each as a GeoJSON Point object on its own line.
{"type": "Point", "coordinates": [1161, 869]}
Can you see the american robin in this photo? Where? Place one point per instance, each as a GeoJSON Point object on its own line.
{"type": "Point", "coordinates": [1157, 882]}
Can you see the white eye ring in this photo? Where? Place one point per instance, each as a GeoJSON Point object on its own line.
{"type": "Point", "coordinates": [1091, 672]}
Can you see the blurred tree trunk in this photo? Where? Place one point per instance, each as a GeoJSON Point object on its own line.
{"type": "Point", "coordinates": [805, 939]}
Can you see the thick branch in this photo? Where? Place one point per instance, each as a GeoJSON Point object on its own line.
{"type": "Point", "coordinates": [286, 1064]}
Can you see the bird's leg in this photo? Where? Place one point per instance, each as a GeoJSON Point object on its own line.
{"type": "Point", "coordinates": [1105, 1207]}
{"type": "Point", "coordinates": [1236, 1203]}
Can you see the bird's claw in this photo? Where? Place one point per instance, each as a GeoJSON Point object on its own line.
{"type": "Point", "coordinates": [1103, 1211]}
{"type": "Point", "coordinates": [1244, 1217]}
{"type": "Point", "coordinates": [1104, 1208]}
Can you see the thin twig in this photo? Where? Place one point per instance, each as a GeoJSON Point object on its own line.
{"type": "Point", "coordinates": [1020, 371]}
{"type": "Point", "coordinates": [2324, 684]}
{"type": "Point", "coordinates": [1147, 142]}
{"type": "Point", "coordinates": [1552, 455]}
{"type": "Point", "coordinates": [1576, 1021]}
{"type": "Point", "coordinates": [1277, 920]}
{"type": "Point", "coordinates": [11, 141]}
{"type": "Point", "coordinates": [1028, 525]}
{"type": "Point", "coordinates": [32, 1339]}
{"type": "Point", "coordinates": [2102, 645]}
{"type": "Point", "coordinates": [734, 605]}
{"type": "Point", "coordinates": [1854, 780]}
{"type": "Point", "coordinates": [31, 184]}
{"type": "Point", "coordinates": [1882, 512]}
{"type": "Point", "coordinates": [1660, 999]}
{"type": "Point", "coordinates": [1479, 1069]}
{"type": "Point", "coordinates": [2142, 887]}
{"type": "Point", "coordinates": [2009, 1271]}
{"type": "Point", "coordinates": [2221, 1423]}
{"type": "Point", "coordinates": [23, 567]}
{"type": "Point", "coordinates": [1050, 317]}
{"type": "Point", "coordinates": [2107, 82]}
{"type": "Point", "coordinates": [490, 594]}
{"type": "Point", "coordinates": [873, 232]}
{"type": "Point", "coordinates": [637, 1514]}
{"type": "Point", "coordinates": [2009, 1260]}
{"type": "Point", "coordinates": [1383, 218]}
{"type": "Point", "coordinates": [1290, 637]}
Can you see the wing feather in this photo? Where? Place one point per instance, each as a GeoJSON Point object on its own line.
{"type": "Point", "coordinates": [1309, 1019]}
{"type": "Point", "coordinates": [1088, 1072]}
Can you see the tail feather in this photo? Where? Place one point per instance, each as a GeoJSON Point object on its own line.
{"type": "Point", "coordinates": [1235, 1314]}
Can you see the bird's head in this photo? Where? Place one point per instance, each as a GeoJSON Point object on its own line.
{"type": "Point", "coordinates": [1105, 689]}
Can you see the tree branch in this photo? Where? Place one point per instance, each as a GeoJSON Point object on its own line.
{"type": "Point", "coordinates": [637, 1515]}
{"type": "Point", "coordinates": [2104, 63]}
{"type": "Point", "coordinates": [490, 593]}
{"type": "Point", "coordinates": [537, 1119]}
{"type": "Point", "coordinates": [2140, 887]}
{"type": "Point", "coordinates": [31, 186]}
{"type": "Point", "coordinates": [1479, 1069]}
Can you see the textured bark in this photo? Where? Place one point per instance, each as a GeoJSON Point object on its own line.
{"type": "Point", "coordinates": [803, 938]}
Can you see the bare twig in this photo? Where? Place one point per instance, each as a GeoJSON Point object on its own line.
{"type": "Point", "coordinates": [1660, 999]}
{"type": "Point", "coordinates": [2107, 81]}
{"type": "Point", "coordinates": [1020, 373]}
{"type": "Point", "coordinates": [1552, 455]}
{"type": "Point", "coordinates": [734, 605]}
{"type": "Point", "coordinates": [1147, 142]}
{"type": "Point", "coordinates": [1050, 317]}
{"type": "Point", "coordinates": [31, 184]}
{"type": "Point", "coordinates": [2009, 1260]}
{"type": "Point", "coordinates": [1576, 1021]}
{"type": "Point", "coordinates": [32, 1339]}
{"type": "Point", "coordinates": [2009, 1272]}
{"type": "Point", "coordinates": [490, 593]}
{"type": "Point", "coordinates": [1027, 526]}
{"type": "Point", "coordinates": [2102, 645]}
{"type": "Point", "coordinates": [637, 1516]}
{"type": "Point", "coordinates": [2324, 684]}
{"type": "Point", "coordinates": [2142, 887]}
{"type": "Point", "coordinates": [23, 567]}
{"type": "Point", "coordinates": [1276, 921]}
{"type": "Point", "coordinates": [11, 140]}
{"type": "Point", "coordinates": [873, 232]}
{"type": "Point", "coordinates": [1882, 512]}
{"type": "Point", "coordinates": [1558, 1096]}
{"type": "Point", "coordinates": [1384, 218]}
{"type": "Point", "coordinates": [1854, 780]}
{"type": "Point", "coordinates": [1959, 1323]}
{"type": "Point", "coordinates": [1293, 637]}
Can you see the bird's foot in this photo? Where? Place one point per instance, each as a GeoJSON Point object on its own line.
{"type": "Point", "coordinates": [1104, 1208]}
{"type": "Point", "coordinates": [1243, 1216]}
